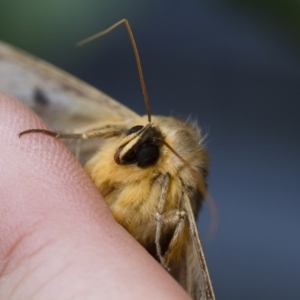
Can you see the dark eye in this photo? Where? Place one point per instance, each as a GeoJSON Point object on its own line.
{"type": "Point", "coordinates": [147, 155]}
{"type": "Point", "coordinates": [134, 129]}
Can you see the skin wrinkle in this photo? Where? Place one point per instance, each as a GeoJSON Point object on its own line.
{"type": "Point", "coordinates": [7, 257]}
{"type": "Point", "coordinates": [10, 254]}
{"type": "Point", "coordinates": [22, 280]}
{"type": "Point", "coordinates": [48, 281]}
{"type": "Point", "coordinates": [37, 250]}
{"type": "Point", "coordinates": [41, 264]}
{"type": "Point", "coordinates": [24, 260]}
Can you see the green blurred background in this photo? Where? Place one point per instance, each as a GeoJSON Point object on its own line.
{"type": "Point", "coordinates": [233, 65]}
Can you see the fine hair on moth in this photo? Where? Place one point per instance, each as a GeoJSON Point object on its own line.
{"type": "Point", "coordinates": [151, 170]}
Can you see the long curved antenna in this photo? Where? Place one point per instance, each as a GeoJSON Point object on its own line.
{"type": "Point", "coordinates": [136, 54]}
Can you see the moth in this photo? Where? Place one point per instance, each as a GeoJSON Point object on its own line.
{"type": "Point", "coordinates": [151, 170]}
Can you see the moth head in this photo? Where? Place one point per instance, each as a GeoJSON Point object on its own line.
{"type": "Point", "coordinates": [141, 146]}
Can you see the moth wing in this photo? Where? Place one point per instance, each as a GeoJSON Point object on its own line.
{"type": "Point", "coordinates": [193, 273]}
{"type": "Point", "coordinates": [61, 100]}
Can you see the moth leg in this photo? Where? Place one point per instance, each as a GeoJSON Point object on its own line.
{"type": "Point", "coordinates": [175, 219]}
{"type": "Point", "coordinates": [159, 219]}
{"type": "Point", "coordinates": [172, 220]}
{"type": "Point", "coordinates": [106, 131]}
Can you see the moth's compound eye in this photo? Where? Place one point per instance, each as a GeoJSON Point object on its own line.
{"type": "Point", "coordinates": [134, 129]}
{"type": "Point", "coordinates": [147, 155]}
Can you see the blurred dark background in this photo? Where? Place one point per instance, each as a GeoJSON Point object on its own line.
{"type": "Point", "coordinates": [233, 65]}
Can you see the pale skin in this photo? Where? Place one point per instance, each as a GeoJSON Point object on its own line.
{"type": "Point", "coordinates": [58, 239]}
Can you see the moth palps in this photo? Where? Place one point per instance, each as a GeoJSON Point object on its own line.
{"type": "Point", "coordinates": [151, 170]}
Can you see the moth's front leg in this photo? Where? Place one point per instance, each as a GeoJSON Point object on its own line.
{"type": "Point", "coordinates": [173, 221]}
{"type": "Point", "coordinates": [169, 221]}
{"type": "Point", "coordinates": [104, 131]}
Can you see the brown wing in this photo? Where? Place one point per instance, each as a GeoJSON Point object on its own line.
{"type": "Point", "coordinates": [61, 100]}
{"type": "Point", "coordinates": [194, 272]}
